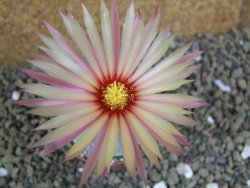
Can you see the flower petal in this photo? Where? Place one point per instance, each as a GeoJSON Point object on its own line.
{"type": "Point", "coordinates": [107, 35]}
{"type": "Point", "coordinates": [86, 138]}
{"type": "Point", "coordinates": [65, 46]}
{"type": "Point", "coordinates": [172, 85]}
{"type": "Point", "coordinates": [45, 102]}
{"type": "Point", "coordinates": [112, 141]}
{"type": "Point", "coordinates": [138, 156]}
{"type": "Point", "coordinates": [156, 51]}
{"type": "Point", "coordinates": [165, 76]}
{"type": "Point", "coordinates": [158, 107]}
{"type": "Point", "coordinates": [94, 155]}
{"type": "Point", "coordinates": [127, 147]}
{"type": "Point", "coordinates": [165, 63]}
{"type": "Point", "coordinates": [159, 129]}
{"type": "Point", "coordinates": [127, 34]}
{"type": "Point", "coordinates": [67, 117]}
{"type": "Point", "coordinates": [116, 32]}
{"type": "Point", "coordinates": [57, 71]}
{"type": "Point", "coordinates": [144, 136]}
{"type": "Point", "coordinates": [69, 128]}
{"type": "Point", "coordinates": [51, 80]}
{"type": "Point", "coordinates": [80, 38]}
{"type": "Point", "coordinates": [54, 92]}
{"type": "Point", "coordinates": [95, 40]}
{"type": "Point", "coordinates": [48, 111]}
{"type": "Point", "coordinates": [149, 35]}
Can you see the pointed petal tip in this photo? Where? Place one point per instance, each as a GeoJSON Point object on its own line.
{"type": "Point", "coordinates": [20, 85]}
{"type": "Point", "coordinates": [30, 146]}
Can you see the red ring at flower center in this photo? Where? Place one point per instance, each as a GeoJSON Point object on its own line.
{"type": "Point", "coordinates": [115, 96]}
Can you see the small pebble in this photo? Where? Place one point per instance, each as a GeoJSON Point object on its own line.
{"type": "Point", "coordinates": [80, 169]}
{"type": "Point", "coordinates": [246, 152]}
{"type": "Point", "coordinates": [203, 172]}
{"type": "Point", "coordinates": [198, 58]}
{"type": "Point", "coordinates": [185, 169]}
{"type": "Point", "coordinates": [212, 185]}
{"type": "Point", "coordinates": [160, 184]}
{"type": "Point", "coordinates": [242, 84]}
{"type": "Point", "coordinates": [210, 119]}
{"type": "Point", "coordinates": [237, 73]}
{"type": "Point", "coordinates": [222, 86]}
{"type": "Point", "coordinates": [248, 183]}
{"type": "Point", "coordinates": [3, 172]}
{"type": "Point", "coordinates": [246, 46]}
{"type": "Point", "coordinates": [221, 160]}
{"type": "Point", "coordinates": [15, 95]}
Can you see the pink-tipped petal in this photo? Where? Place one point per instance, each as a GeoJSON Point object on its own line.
{"type": "Point", "coordinates": [91, 162]}
{"type": "Point", "coordinates": [74, 128]}
{"type": "Point", "coordinates": [138, 157]}
{"type": "Point", "coordinates": [181, 139]}
{"type": "Point", "coordinates": [51, 80]}
{"type": "Point", "coordinates": [95, 40]}
{"type": "Point", "coordinates": [45, 102]}
{"type": "Point", "coordinates": [69, 49]}
{"type": "Point", "coordinates": [116, 32]}
{"type": "Point", "coordinates": [190, 56]}
{"type": "Point", "coordinates": [138, 21]}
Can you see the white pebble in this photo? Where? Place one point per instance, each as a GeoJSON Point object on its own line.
{"type": "Point", "coordinates": [160, 184]}
{"type": "Point", "coordinates": [15, 95]}
{"type": "Point", "coordinates": [210, 119]}
{"type": "Point", "coordinates": [248, 183]}
{"type": "Point", "coordinates": [212, 185]}
{"type": "Point", "coordinates": [198, 58]}
{"type": "Point", "coordinates": [3, 172]}
{"type": "Point", "coordinates": [185, 169]}
{"type": "Point", "coordinates": [222, 86]}
{"type": "Point", "coordinates": [245, 152]}
{"type": "Point", "coordinates": [80, 169]}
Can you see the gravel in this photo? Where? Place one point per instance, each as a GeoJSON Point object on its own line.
{"type": "Point", "coordinates": [217, 147]}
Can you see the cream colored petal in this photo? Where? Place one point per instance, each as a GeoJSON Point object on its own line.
{"type": "Point", "coordinates": [62, 58]}
{"type": "Point", "coordinates": [67, 129]}
{"type": "Point", "coordinates": [80, 38]}
{"type": "Point", "coordinates": [127, 147]}
{"type": "Point", "coordinates": [49, 111]}
{"type": "Point", "coordinates": [51, 43]}
{"type": "Point", "coordinates": [164, 87]}
{"type": "Point", "coordinates": [143, 134]}
{"type": "Point", "coordinates": [86, 138]}
{"type": "Point", "coordinates": [164, 76]}
{"type": "Point", "coordinates": [149, 35]}
{"type": "Point", "coordinates": [95, 39]}
{"type": "Point", "coordinates": [135, 45]}
{"type": "Point", "coordinates": [107, 36]}
{"type": "Point", "coordinates": [154, 54]}
{"type": "Point", "coordinates": [60, 120]}
{"type": "Point", "coordinates": [101, 164]}
{"type": "Point", "coordinates": [151, 156]}
{"type": "Point", "coordinates": [158, 107]}
{"type": "Point", "coordinates": [170, 98]}
{"type": "Point", "coordinates": [165, 63]}
{"type": "Point", "coordinates": [53, 92]}
{"type": "Point", "coordinates": [127, 34]}
{"type": "Point", "coordinates": [57, 72]}
{"type": "Point", "coordinates": [157, 122]}
{"type": "Point", "coordinates": [112, 141]}
{"type": "Point", "coordinates": [161, 129]}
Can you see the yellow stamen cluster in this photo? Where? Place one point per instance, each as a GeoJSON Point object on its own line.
{"type": "Point", "coordinates": [116, 96]}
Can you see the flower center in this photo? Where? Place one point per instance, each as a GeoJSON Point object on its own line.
{"type": "Point", "coordinates": [116, 96]}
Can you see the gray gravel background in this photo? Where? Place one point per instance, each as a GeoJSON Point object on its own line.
{"type": "Point", "coordinates": [215, 153]}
